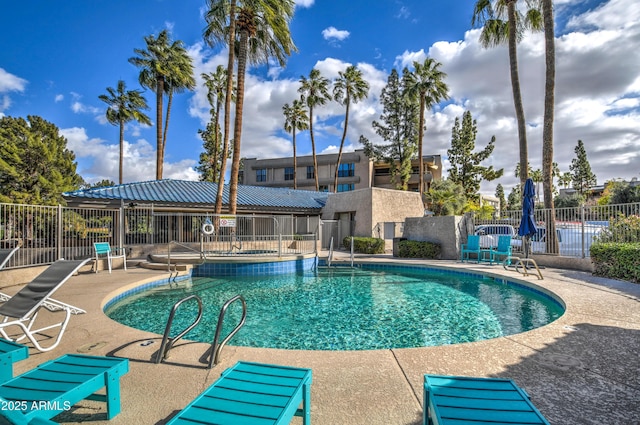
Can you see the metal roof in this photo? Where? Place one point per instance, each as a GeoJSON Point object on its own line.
{"type": "Point", "coordinates": [197, 193]}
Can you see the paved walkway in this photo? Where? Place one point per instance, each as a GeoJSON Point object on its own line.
{"type": "Point", "coordinates": [583, 368]}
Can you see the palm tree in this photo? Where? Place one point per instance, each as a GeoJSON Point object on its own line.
{"type": "Point", "coordinates": [178, 80]}
{"type": "Point", "coordinates": [315, 92]}
{"type": "Point", "coordinates": [348, 87]}
{"type": "Point", "coordinates": [164, 67]}
{"type": "Point", "coordinates": [217, 32]}
{"type": "Point", "coordinates": [548, 169]}
{"type": "Point", "coordinates": [426, 83]}
{"type": "Point", "coordinates": [565, 179]}
{"type": "Point", "coordinates": [216, 83]}
{"type": "Point", "coordinates": [536, 176]}
{"type": "Point", "coordinates": [124, 106]}
{"type": "Point", "coordinates": [495, 31]}
{"type": "Point", "coordinates": [295, 118]}
{"type": "Point", "coordinates": [262, 34]}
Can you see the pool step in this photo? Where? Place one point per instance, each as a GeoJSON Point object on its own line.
{"type": "Point", "coordinates": [163, 266]}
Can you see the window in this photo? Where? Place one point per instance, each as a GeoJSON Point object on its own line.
{"type": "Point", "coordinates": [261, 175]}
{"type": "Point", "coordinates": [345, 187]}
{"type": "Point", "coordinates": [323, 188]}
{"type": "Point", "coordinates": [288, 173]}
{"type": "Point", "coordinates": [310, 172]}
{"type": "Point", "coordinates": [346, 170]}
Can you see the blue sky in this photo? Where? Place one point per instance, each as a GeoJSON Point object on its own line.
{"type": "Point", "coordinates": [58, 57]}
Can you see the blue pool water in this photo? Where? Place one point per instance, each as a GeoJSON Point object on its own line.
{"type": "Point", "coordinates": [347, 309]}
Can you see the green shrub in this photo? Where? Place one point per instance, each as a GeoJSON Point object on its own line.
{"type": "Point", "coordinates": [417, 249]}
{"type": "Point", "coordinates": [617, 260]}
{"type": "Point", "coordinates": [364, 245]}
{"type": "Point", "coordinates": [621, 229]}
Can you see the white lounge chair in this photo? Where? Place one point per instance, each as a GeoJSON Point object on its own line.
{"type": "Point", "coordinates": [21, 310]}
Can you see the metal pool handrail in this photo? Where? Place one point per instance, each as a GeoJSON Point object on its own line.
{"type": "Point", "coordinates": [203, 257]}
{"type": "Point", "coordinates": [216, 347]}
{"type": "Point", "coordinates": [167, 342]}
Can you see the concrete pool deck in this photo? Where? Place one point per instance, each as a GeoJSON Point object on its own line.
{"type": "Point", "coordinates": [583, 368]}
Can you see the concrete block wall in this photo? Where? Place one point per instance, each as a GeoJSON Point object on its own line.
{"type": "Point", "coordinates": [446, 231]}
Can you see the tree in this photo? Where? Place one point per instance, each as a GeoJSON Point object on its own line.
{"type": "Point", "coordinates": [446, 197]}
{"type": "Point", "coordinates": [548, 169]}
{"type": "Point", "coordinates": [217, 32]}
{"type": "Point", "coordinates": [295, 118]}
{"type": "Point", "coordinates": [348, 87]}
{"type": "Point", "coordinates": [263, 34]}
{"type": "Point", "coordinates": [514, 200]}
{"type": "Point", "coordinates": [565, 179]}
{"type": "Point", "coordinates": [465, 163]}
{"type": "Point", "coordinates": [398, 126]}
{"type": "Point", "coordinates": [426, 83]}
{"type": "Point", "coordinates": [124, 106]}
{"type": "Point", "coordinates": [214, 160]}
{"type": "Point", "coordinates": [495, 31]}
{"type": "Point", "coordinates": [35, 165]}
{"type": "Point", "coordinates": [164, 67]}
{"type": "Point", "coordinates": [502, 202]}
{"type": "Point", "coordinates": [536, 176]}
{"type": "Point", "coordinates": [178, 80]}
{"type": "Point", "coordinates": [315, 92]}
{"type": "Point", "coordinates": [581, 176]}
{"type": "Point", "coordinates": [625, 193]}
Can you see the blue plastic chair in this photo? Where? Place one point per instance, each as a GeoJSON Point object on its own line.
{"type": "Point", "coordinates": [471, 247]}
{"type": "Point", "coordinates": [249, 391]}
{"type": "Point", "coordinates": [104, 249]}
{"type": "Point", "coordinates": [53, 387]}
{"type": "Point", "coordinates": [502, 250]}
{"type": "Point", "coordinates": [481, 401]}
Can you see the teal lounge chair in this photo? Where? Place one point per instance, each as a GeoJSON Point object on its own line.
{"type": "Point", "coordinates": [20, 311]}
{"type": "Point", "coordinates": [53, 387]}
{"type": "Point", "coordinates": [10, 352]}
{"type": "Point", "coordinates": [502, 250]}
{"type": "Point", "coordinates": [252, 393]}
{"type": "Point", "coordinates": [471, 247]}
{"type": "Point", "coordinates": [452, 400]}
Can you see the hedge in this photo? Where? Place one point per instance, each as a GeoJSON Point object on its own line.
{"type": "Point", "coordinates": [364, 245]}
{"type": "Point", "coordinates": [417, 249]}
{"type": "Point", "coordinates": [617, 260]}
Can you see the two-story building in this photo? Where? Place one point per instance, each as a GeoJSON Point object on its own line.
{"type": "Point", "coordinates": [356, 171]}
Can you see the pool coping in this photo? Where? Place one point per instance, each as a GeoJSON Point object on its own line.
{"type": "Point", "coordinates": [583, 365]}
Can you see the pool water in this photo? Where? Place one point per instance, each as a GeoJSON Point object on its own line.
{"type": "Point", "coordinates": [346, 309]}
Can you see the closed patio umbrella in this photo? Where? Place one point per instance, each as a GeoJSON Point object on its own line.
{"type": "Point", "coordinates": [528, 223]}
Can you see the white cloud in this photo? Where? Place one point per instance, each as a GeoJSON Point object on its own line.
{"type": "Point", "coordinates": [332, 33]}
{"type": "Point", "coordinates": [58, 98]}
{"type": "Point", "coordinates": [304, 3]}
{"type": "Point", "coordinates": [10, 82]}
{"type": "Point", "coordinates": [102, 159]}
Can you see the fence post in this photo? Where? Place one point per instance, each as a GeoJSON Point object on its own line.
{"type": "Point", "coordinates": [582, 228]}
{"type": "Point", "coordinates": [121, 226]}
{"type": "Point", "coordinates": [59, 233]}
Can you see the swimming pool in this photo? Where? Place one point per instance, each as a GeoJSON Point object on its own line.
{"type": "Point", "coordinates": [348, 309]}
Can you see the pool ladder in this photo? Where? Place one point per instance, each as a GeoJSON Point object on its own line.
{"type": "Point", "coordinates": [216, 346]}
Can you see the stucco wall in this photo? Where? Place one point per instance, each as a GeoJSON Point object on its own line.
{"type": "Point", "coordinates": [445, 230]}
{"type": "Point", "coordinates": [372, 206]}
